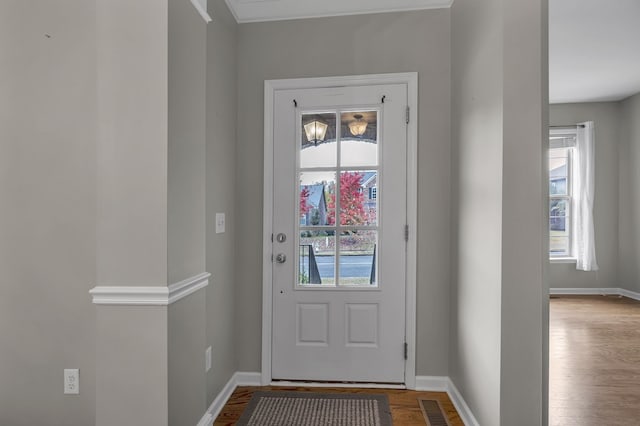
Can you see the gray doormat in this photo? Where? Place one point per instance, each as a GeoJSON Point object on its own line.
{"type": "Point", "coordinates": [273, 408]}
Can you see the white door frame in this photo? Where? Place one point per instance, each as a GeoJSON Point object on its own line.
{"type": "Point", "coordinates": [270, 87]}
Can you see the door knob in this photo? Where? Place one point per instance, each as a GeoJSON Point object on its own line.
{"type": "Point", "coordinates": [281, 258]}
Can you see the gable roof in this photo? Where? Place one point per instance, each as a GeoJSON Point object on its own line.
{"type": "Point", "coordinates": [316, 194]}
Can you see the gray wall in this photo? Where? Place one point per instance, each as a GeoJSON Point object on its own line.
{"type": "Point", "coordinates": [132, 157]}
{"type": "Point", "coordinates": [499, 299]}
{"type": "Point", "coordinates": [187, 44]}
{"type": "Point", "coordinates": [629, 198]}
{"type": "Point", "coordinates": [132, 142]}
{"type": "Point", "coordinates": [47, 210]}
{"type": "Point", "coordinates": [525, 294]}
{"type": "Point", "coordinates": [477, 175]}
{"type": "Point", "coordinates": [221, 195]}
{"type": "Point", "coordinates": [366, 44]}
{"type": "Point", "coordinates": [131, 366]}
{"type": "Point", "coordinates": [607, 120]}
{"type": "Point", "coordinates": [187, 140]}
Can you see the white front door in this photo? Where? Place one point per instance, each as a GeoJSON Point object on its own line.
{"type": "Point", "coordinates": [339, 248]}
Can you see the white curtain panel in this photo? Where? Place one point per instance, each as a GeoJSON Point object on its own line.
{"type": "Point", "coordinates": [584, 180]}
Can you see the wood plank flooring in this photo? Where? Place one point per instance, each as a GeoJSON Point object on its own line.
{"type": "Point", "coordinates": [594, 376]}
{"type": "Point", "coordinates": [594, 371]}
{"type": "Point", "coordinates": [404, 404]}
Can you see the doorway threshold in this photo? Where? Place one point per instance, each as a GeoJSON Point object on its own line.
{"type": "Point", "coordinates": [336, 384]}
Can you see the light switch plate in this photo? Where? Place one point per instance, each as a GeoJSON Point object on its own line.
{"type": "Point", "coordinates": [219, 223]}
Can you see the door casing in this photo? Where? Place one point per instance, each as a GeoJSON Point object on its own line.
{"type": "Point", "coordinates": [271, 86]}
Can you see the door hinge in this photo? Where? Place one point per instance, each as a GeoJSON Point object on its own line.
{"type": "Point", "coordinates": [406, 350]}
{"type": "Point", "coordinates": [406, 232]}
{"type": "Point", "coordinates": [271, 237]}
{"type": "Point", "coordinates": [408, 113]}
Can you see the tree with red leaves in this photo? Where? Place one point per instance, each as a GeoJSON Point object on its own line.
{"type": "Point", "coordinates": [304, 204]}
{"type": "Point", "coordinates": [352, 210]}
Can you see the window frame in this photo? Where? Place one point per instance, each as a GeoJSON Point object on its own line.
{"type": "Point", "coordinates": [568, 137]}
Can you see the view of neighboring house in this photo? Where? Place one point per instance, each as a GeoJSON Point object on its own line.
{"type": "Point", "coordinates": [317, 203]}
{"type": "Point", "coordinates": [557, 185]}
{"type": "Point", "coordinates": [316, 200]}
{"type": "Point", "coordinates": [370, 187]}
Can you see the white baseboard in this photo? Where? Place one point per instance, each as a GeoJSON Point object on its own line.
{"type": "Point", "coordinates": [611, 291]}
{"type": "Point", "coordinates": [630, 294]}
{"type": "Point", "coordinates": [461, 406]}
{"type": "Point", "coordinates": [432, 383]}
{"type": "Point", "coordinates": [238, 379]}
{"type": "Point", "coordinates": [583, 291]}
{"type": "Point", "coordinates": [244, 378]}
{"type": "Point", "coordinates": [444, 384]}
{"type": "Point", "coordinates": [423, 383]}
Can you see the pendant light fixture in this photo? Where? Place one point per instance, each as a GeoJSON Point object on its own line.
{"type": "Point", "coordinates": [315, 131]}
{"type": "Point", "coordinates": [358, 126]}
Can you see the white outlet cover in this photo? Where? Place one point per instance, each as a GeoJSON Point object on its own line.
{"type": "Point", "coordinates": [220, 223]}
{"type": "Point", "coordinates": [71, 381]}
{"type": "Point", "coordinates": [207, 359]}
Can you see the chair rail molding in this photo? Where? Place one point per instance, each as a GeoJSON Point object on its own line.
{"type": "Point", "coordinates": [148, 295]}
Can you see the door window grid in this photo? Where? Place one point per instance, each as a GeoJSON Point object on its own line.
{"type": "Point", "coordinates": [338, 230]}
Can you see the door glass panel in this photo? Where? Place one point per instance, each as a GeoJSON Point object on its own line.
{"type": "Point", "coordinates": [314, 198]}
{"type": "Point", "coordinates": [358, 198]}
{"type": "Point", "coordinates": [316, 264]}
{"type": "Point", "coordinates": [358, 258]}
{"type": "Point", "coordinates": [318, 147]}
{"type": "Point", "coordinates": [359, 144]}
{"type": "Point", "coordinates": [338, 200]}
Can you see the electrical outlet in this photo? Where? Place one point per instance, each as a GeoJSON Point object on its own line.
{"type": "Point", "coordinates": [71, 381]}
{"type": "Point", "coordinates": [207, 359]}
{"type": "Point", "coordinates": [219, 223]}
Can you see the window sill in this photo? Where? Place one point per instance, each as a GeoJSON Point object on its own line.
{"type": "Point", "coordinates": [563, 260]}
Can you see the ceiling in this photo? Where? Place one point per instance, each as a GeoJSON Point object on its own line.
{"type": "Point", "coordinates": [594, 52]}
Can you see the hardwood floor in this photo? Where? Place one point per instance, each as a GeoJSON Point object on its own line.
{"type": "Point", "coordinates": [594, 376]}
{"type": "Point", "coordinates": [404, 404]}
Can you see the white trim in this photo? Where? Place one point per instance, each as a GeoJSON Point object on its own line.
{"type": "Point", "coordinates": [584, 291]}
{"type": "Point", "coordinates": [244, 378]}
{"type": "Point", "coordinates": [562, 260]}
{"type": "Point", "coordinates": [461, 405]}
{"type": "Point", "coordinates": [412, 221]}
{"type": "Point", "coordinates": [184, 288]}
{"type": "Point", "coordinates": [432, 383]}
{"type": "Point", "coordinates": [270, 86]}
{"type": "Point", "coordinates": [595, 292]}
{"type": "Point", "coordinates": [151, 295]}
{"type": "Point", "coordinates": [201, 7]}
{"type": "Point", "coordinates": [268, 10]}
{"type": "Point", "coordinates": [207, 419]}
{"type": "Point", "coordinates": [628, 293]}
{"type": "Point", "coordinates": [444, 384]}
{"type": "Point", "coordinates": [267, 228]}
{"type": "Point", "coordinates": [219, 401]}
{"type": "Point", "coordinates": [337, 385]}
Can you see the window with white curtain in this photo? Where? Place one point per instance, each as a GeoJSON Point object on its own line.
{"type": "Point", "coordinates": [561, 154]}
{"type": "Point", "coordinates": [571, 195]}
